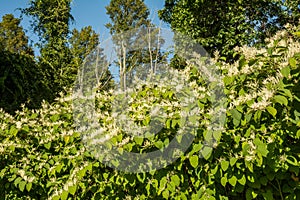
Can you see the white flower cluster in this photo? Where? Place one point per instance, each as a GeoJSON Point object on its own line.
{"type": "Point", "coordinates": [155, 103]}
{"type": "Point", "coordinates": [265, 88]}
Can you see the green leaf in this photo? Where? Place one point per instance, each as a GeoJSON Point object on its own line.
{"type": "Point", "coordinates": [159, 144]}
{"type": "Point", "coordinates": [162, 183]}
{"type": "Point", "coordinates": [141, 177]}
{"type": "Point", "coordinates": [233, 161]}
{"type": "Point", "coordinates": [298, 134]}
{"type": "Point", "coordinates": [72, 189]}
{"type": "Point", "coordinates": [168, 123]}
{"type": "Point", "coordinates": [217, 135]}
{"type": "Point", "coordinates": [47, 145]}
{"type": "Point", "coordinates": [2, 173]}
{"type": "Point", "coordinates": [89, 167]}
{"type": "Point", "coordinates": [206, 152]}
{"type": "Point", "coordinates": [293, 62]}
{"type": "Point", "coordinates": [228, 80]}
{"type": "Point", "coordinates": [249, 165]}
{"type": "Point", "coordinates": [146, 120]}
{"type": "Point", "coordinates": [55, 197]}
{"type": "Point", "coordinates": [194, 161]}
{"type": "Point", "coordinates": [261, 147]}
{"type": "Point", "coordinates": [292, 160]}
{"type": "Point", "coordinates": [223, 181]}
{"type": "Point", "coordinates": [263, 180]}
{"type": "Point", "coordinates": [215, 170]}
{"type": "Point", "coordinates": [22, 185]}
{"type": "Point", "coordinates": [176, 180]}
{"type": "Point", "coordinates": [242, 180]}
{"type": "Point", "coordinates": [13, 130]}
{"type": "Point", "coordinates": [281, 100]}
{"type": "Point", "coordinates": [165, 194]}
{"type": "Point", "coordinates": [197, 147]}
{"type": "Point", "coordinates": [64, 195]}
{"type": "Point", "coordinates": [249, 194]}
{"type": "Point", "coordinates": [286, 71]}
{"type": "Point", "coordinates": [17, 181]}
{"type": "Point", "coordinates": [28, 186]}
{"type": "Point", "coordinates": [224, 165]}
{"type": "Point", "coordinates": [297, 33]}
{"type": "Point", "coordinates": [236, 115]}
{"type": "Point", "coordinates": [138, 140]}
{"type": "Point", "coordinates": [268, 195]}
{"type": "Point", "coordinates": [54, 118]}
{"type": "Point", "coordinates": [174, 123]}
{"type": "Point", "coordinates": [81, 173]}
{"type": "Point", "coordinates": [272, 111]}
{"type": "Point", "coordinates": [257, 115]}
{"type": "Point", "coordinates": [232, 181]}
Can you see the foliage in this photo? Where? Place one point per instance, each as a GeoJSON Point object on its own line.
{"type": "Point", "coordinates": [51, 21]}
{"type": "Point", "coordinates": [20, 82]}
{"type": "Point", "coordinates": [255, 157]}
{"type": "Point", "coordinates": [12, 36]}
{"type": "Point", "coordinates": [126, 15]}
{"type": "Point", "coordinates": [82, 43]}
{"type": "Point", "coordinates": [20, 76]}
{"type": "Point", "coordinates": [222, 25]}
{"type": "Point", "coordinates": [84, 46]}
{"type": "Point", "coordinates": [129, 27]}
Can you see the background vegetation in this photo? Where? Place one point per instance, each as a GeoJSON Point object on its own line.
{"type": "Point", "coordinates": [254, 44]}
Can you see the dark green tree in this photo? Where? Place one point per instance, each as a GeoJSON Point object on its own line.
{"type": "Point", "coordinates": [20, 76]}
{"type": "Point", "coordinates": [222, 25]}
{"type": "Point", "coordinates": [51, 19]}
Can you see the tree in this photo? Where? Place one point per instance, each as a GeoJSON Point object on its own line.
{"type": "Point", "coordinates": [126, 15]}
{"type": "Point", "coordinates": [222, 25]}
{"type": "Point", "coordinates": [51, 19]}
{"type": "Point", "coordinates": [84, 45]}
{"type": "Point", "coordinates": [129, 17]}
{"type": "Point", "coordinates": [20, 76]}
{"type": "Point", "coordinates": [12, 36]}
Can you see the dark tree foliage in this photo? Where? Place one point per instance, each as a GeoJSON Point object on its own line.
{"type": "Point", "coordinates": [21, 82]}
{"type": "Point", "coordinates": [222, 25]}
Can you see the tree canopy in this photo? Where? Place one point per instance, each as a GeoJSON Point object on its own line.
{"type": "Point", "coordinates": [12, 36]}
{"type": "Point", "coordinates": [223, 25]}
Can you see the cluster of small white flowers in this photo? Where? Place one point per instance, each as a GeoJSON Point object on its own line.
{"type": "Point", "coordinates": [30, 179]}
{"type": "Point", "coordinates": [109, 127]}
{"type": "Point", "coordinates": [265, 93]}
{"type": "Point", "coordinates": [268, 89]}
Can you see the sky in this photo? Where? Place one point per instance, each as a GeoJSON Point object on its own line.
{"type": "Point", "coordinates": [85, 12]}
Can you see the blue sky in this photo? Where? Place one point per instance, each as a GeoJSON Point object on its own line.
{"type": "Point", "coordinates": [85, 12]}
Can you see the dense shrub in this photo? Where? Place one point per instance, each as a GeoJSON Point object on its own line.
{"type": "Point", "coordinates": [257, 155]}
